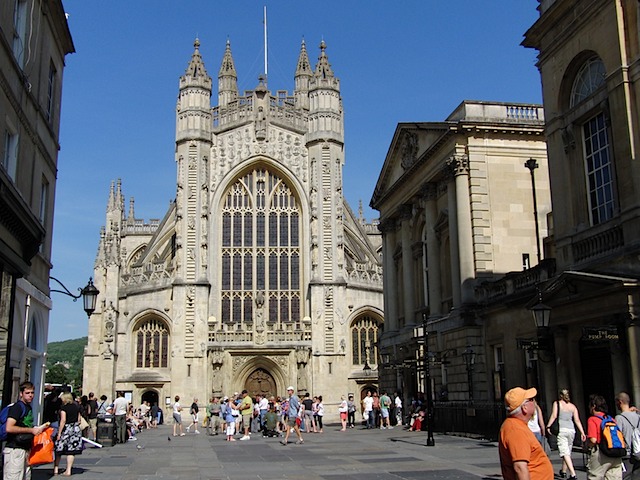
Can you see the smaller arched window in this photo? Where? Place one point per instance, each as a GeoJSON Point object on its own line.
{"type": "Point", "coordinates": [364, 340]}
{"type": "Point", "coordinates": [588, 79]}
{"type": "Point", "coordinates": [152, 344]}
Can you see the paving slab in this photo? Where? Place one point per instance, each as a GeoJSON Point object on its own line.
{"type": "Point", "coordinates": [357, 454]}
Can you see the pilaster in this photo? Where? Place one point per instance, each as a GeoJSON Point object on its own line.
{"type": "Point", "coordinates": [430, 195]}
{"type": "Point", "coordinates": [390, 286]}
{"type": "Point", "coordinates": [460, 167]}
{"type": "Point", "coordinates": [408, 292]}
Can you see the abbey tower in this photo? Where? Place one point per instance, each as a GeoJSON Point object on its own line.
{"type": "Point", "coordinates": [259, 275]}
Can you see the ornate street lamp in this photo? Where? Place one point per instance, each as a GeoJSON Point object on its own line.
{"type": "Point", "coordinates": [89, 294]}
{"type": "Point", "coordinates": [421, 333]}
{"type": "Point", "coordinates": [541, 317]}
{"type": "Point", "coordinates": [531, 164]}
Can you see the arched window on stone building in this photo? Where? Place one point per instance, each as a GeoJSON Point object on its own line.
{"type": "Point", "coordinates": [589, 78]}
{"type": "Point", "coordinates": [152, 344]}
{"type": "Point", "coordinates": [364, 339]}
{"type": "Point", "coordinates": [260, 250]}
{"type": "Point", "coordinates": [596, 141]}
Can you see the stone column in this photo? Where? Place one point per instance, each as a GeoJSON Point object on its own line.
{"type": "Point", "coordinates": [460, 167]}
{"type": "Point", "coordinates": [390, 287]}
{"type": "Point", "coordinates": [633, 334]}
{"type": "Point", "coordinates": [408, 287]}
{"type": "Point", "coordinates": [452, 205]}
{"type": "Point", "coordinates": [430, 195]}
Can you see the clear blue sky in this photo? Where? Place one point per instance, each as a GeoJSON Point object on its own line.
{"type": "Point", "coordinates": [411, 60]}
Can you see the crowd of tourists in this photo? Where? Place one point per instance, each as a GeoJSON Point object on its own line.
{"type": "Point", "coordinates": [242, 415]}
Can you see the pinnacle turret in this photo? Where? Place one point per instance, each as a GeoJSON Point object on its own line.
{"type": "Point", "coordinates": [323, 67]}
{"type": "Point", "coordinates": [227, 79]}
{"type": "Point", "coordinates": [112, 198]}
{"type": "Point", "coordinates": [132, 215]}
{"type": "Point", "coordinates": [302, 78]}
{"type": "Point", "coordinates": [304, 67]}
{"type": "Point", "coordinates": [193, 109]}
{"type": "Point", "coordinates": [196, 69]}
{"type": "Point", "coordinates": [325, 104]}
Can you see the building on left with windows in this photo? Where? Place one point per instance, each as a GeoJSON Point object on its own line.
{"type": "Point", "coordinates": [31, 65]}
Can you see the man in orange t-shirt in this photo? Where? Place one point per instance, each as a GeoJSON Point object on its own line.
{"type": "Point", "coordinates": [521, 455]}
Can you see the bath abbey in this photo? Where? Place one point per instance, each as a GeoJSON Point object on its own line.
{"type": "Point", "coordinates": [259, 275]}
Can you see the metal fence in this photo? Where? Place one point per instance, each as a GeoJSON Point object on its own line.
{"type": "Point", "coordinates": [477, 419]}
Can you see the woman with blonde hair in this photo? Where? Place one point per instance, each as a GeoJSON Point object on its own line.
{"type": "Point", "coordinates": [69, 438]}
{"type": "Point", "coordinates": [343, 410]}
{"type": "Point", "coordinates": [568, 418]}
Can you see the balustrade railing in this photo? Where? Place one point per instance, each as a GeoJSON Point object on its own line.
{"type": "Point", "coordinates": [515, 282]}
{"type": "Point", "coordinates": [234, 333]}
{"type": "Point", "coordinates": [523, 112]}
{"type": "Point", "coordinates": [598, 244]}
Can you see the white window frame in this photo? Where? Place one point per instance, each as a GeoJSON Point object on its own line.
{"type": "Point", "coordinates": [10, 157]}
{"type": "Point", "coordinates": [51, 91]}
{"type": "Point", "coordinates": [44, 201]}
{"type": "Point", "coordinates": [599, 169]}
{"type": "Point", "coordinates": [19, 30]}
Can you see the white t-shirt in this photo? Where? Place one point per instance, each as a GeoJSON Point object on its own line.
{"type": "Point", "coordinates": [533, 423]}
{"type": "Point", "coordinates": [368, 403]}
{"type": "Point", "coordinates": [398, 402]}
{"type": "Point", "coordinates": [264, 404]}
{"type": "Point", "coordinates": [120, 406]}
{"type": "Point", "coordinates": [176, 408]}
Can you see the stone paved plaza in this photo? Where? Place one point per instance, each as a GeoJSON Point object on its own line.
{"type": "Point", "coordinates": [352, 455]}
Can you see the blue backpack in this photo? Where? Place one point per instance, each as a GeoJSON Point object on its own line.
{"type": "Point", "coordinates": [4, 414]}
{"type": "Point", "coordinates": [611, 438]}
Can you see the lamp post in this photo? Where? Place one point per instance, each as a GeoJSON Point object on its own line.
{"type": "Point", "coordinates": [469, 357]}
{"type": "Point", "coordinates": [541, 317]}
{"type": "Point", "coordinates": [532, 164]}
{"type": "Point", "coordinates": [421, 333]}
{"type": "Point", "coordinates": [89, 294]}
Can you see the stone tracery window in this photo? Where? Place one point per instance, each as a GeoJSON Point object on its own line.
{"type": "Point", "coordinates": [152, 344]}
{"type": "Point", "coordinates": [364, 333]}
{"type": "Point", "coordinates": [260, 250]}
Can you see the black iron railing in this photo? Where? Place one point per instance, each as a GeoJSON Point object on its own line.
{"type": "Point", "coordinates": [480, 419]}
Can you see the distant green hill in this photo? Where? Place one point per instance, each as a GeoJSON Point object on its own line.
{"type": "Point", "coordinates": [64, 361]}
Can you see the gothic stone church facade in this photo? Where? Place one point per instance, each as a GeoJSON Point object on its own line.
{"type": "Point", "coordinates": [259, 275]}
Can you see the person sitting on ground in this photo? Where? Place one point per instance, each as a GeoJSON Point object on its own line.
{"type": "Point", "coordinates": [417, 420]}
{"type": "Point", "coordinates": [270, 422]}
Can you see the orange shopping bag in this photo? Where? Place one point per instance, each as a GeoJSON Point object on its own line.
{"type": "Point", "coordinates": [42, 448]}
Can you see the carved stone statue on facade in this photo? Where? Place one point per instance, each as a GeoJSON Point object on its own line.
{"type": "Point", "coordinates": [409, 149]}
{"type": "Point", "coordinates": [109, 326]}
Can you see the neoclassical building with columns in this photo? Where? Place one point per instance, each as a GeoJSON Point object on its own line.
{"type": "Point", "coordinates": [259, 275]}
{"type": "Point", "coordinates": [456, 210]}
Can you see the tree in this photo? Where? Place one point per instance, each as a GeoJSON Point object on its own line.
{"type": "Point", "coordinates": [57, 373]}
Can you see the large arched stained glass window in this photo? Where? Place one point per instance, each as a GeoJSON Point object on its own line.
{"type": "Point", "coordinates": [152, 344]}
{"type": "Point", "coordinates": [260, 250]}
{"type": "Point", "coordinates": [364, 340]}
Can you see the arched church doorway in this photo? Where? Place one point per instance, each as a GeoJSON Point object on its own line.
{"type": "Point", "coordinates": [150, 396]}
{"type": "Point", "coordinates": [367, 388]}
{"type": "Point", "coordinates": [261, 382]}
